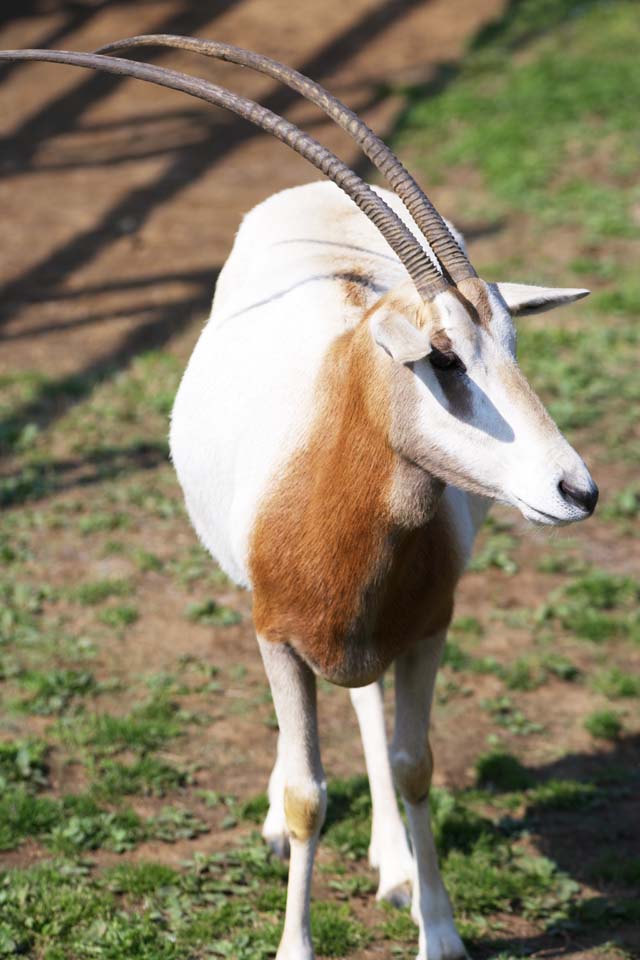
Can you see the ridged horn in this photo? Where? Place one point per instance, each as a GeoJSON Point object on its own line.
{"type": "Point", "coordinates": [428, 280]}
{"type": "Point", "coordinates": [452, 258]}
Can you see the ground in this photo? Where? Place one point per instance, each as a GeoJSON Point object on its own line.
{"type": "Point", "coordinates": [136, 729]}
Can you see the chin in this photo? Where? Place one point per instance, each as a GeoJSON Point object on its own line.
{"type": "Point", "coordinates": [542, 518]}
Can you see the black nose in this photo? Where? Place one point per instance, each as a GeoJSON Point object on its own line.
{"type": "Point", "coordinates": [586, 499]}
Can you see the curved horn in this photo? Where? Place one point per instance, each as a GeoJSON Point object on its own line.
{"type": "Point", "coordinates": [445, 247]}
{"type": "Point", "coordinates": [428, 280]}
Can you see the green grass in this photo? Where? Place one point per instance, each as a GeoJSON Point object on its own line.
{"type": "Point", "coordinates": [542, 110]}
{"type": "Point", "coordinates": [212, 614]}
{"type": "Point", "coordinates": [624, 505]}
{"type": "Point", "coordinates": [604, 724]}
{"type": "Point", "coordinates": [75, 823]}
{"type": "Point", "coordinates": [55, 691]}
{"type": "Point", "coordinates": [23, 762]}
{"type": "Point", "coordinates": [597, 607]}
{"type": "Point", "coordinates": [334, 931]}
{"type": "Point", "coordinates": [616, 683]}
{"type": "Point", "coordinates": [119, 616]}
{"type": "Point", "coordinates": [499, 770]}
{"type": "Point", "coordinates": [348, 820]}
{"type": "Point", "coordinates": [97, 591]}
{"type": "Point", "coordinates": [507, 715]}
{"type": "Point", "coordinates": [495, 552]}
{"type": "Point", "coordinates": [145, 728]}
{"type": "Point", "coordinates": [614, 868]}
{"type": "Point", "coordinates": [147, 775]}
{"type": "Point", "coordinates": [562, 795]}
{"type": "Point", "coordinates": [516, 122]}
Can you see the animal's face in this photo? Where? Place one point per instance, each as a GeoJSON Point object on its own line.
{"type": "Point", "coordinates": [463, 410]}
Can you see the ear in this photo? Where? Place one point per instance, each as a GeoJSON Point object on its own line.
{"type": "Point", "coordinates": [523, 299]}
{"type": "Point", "coordinates": [398, 336]}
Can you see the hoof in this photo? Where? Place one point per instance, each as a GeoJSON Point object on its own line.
{"type": "Point", "coordinates": [396, 867]}
{"type": "Point", "coordinates": [398, 895]}
{"type": "Point", "coordinates": [279, 845]}
{"type": "Point", "coordinates": [444, 943]}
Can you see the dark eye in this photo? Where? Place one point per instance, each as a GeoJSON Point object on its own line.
{"type": "Point", "coordinates": [446, 360]}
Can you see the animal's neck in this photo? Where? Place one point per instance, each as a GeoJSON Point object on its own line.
{"type": "Point", "coordinates": [325, 539]}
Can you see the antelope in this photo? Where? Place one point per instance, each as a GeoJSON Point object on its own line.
{"type": "Point", "coordinates": [350, 410]}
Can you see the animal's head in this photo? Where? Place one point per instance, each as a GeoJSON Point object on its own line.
{"type": "Point", "coordinates": [462, 408]}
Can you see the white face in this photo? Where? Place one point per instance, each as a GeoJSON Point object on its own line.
{"type": "Point", "coordinates": [475, 421]}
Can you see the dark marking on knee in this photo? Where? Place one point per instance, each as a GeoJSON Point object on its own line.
{"type": "Point", "coordinates": [412, 775]}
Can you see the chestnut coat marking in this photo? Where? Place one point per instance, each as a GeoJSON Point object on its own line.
{"type": "Point", "coordinates": [343, 565]}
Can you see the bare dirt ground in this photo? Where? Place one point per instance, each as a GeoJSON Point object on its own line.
{"type": "Point", "coordinates": [119, 205]}
{"type": "Point", "coordinates": [120, 202]}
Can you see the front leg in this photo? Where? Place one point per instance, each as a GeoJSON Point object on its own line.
{"type": "Point", "coordinates": [293, 687]}
{"type": "Point", "coordinates": [412, 764]}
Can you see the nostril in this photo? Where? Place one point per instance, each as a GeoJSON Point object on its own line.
{"type": "Point", "coordinates": [586, 498]}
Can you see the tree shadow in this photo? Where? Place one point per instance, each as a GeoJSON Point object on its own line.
{"type": "Point", "coordinates": [581, 813]}
{"type": "Point", "coordinates": [77, 16]}
{"type": "Point", "coordinates": [522, 22]}
{"type": "Point", "coordinates": [156, 137]}
{"type": "Point", "coordinates": [57, 395]}
{"type": "Point", "coordinates": [589, 830]}
{"type": "Point", "coordinates": [186, 165]}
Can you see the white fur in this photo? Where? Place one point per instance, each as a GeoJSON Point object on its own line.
{"type": "Point", "coordinates": [246, 398]}
{"type": "Point", "coordinates": [389, 851]}
{"type": "Point", "coordinates": [246, 402]}
{"type": "Point", "coordinates": [293, 689]}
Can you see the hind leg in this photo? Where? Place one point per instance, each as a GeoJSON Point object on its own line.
{"type": "Point", "coordinates": [274, 829]}
{"type": "Point", "coordinates": [389, 850]}
{"type": "Point", "coordinates": [412, 764]}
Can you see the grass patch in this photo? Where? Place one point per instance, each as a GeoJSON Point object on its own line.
{"type": "Point", "coordinates": [54, 691]}
{"type": "Point", "coordinates": [120, 616]}
{"type": "Point", "coordinates": [596, 607]}
{"type": "Point", "coordinates": [23, 762]}
{"type": "Point", "coordinates": [562, 795]}
{"type": "Point", "coordinates": [614, 868]}
{"type": "Point", "coordinates": [616, 683]}
{"type": "Point", "coordinates": [96, 591]}
{"type": "Point", "coordinates": [499, 770]}
{"type": "Point", "coordinates": [348, 820]}
{"type": "Point", "coordinates": [518, 121]}
{"type": "Point", "coordinates": [624, 505]}
{"type": "Point", "coordinates": [505, 714]}
{"type": "Point", "coordinates": [604, 724]}
{"type": "Point", "coordinates": [147, 775]}
{"type": "Point", "coordinates": [145, 728]}
{"type": "Point", "coordinates": [334, 930]}
{"type": "Point", "coordinates": [212, 614]}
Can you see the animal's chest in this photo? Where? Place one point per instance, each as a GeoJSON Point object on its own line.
{"type": "Point", "coordinates": [381, 593]}
{"type": "Point", "coordinates": [335, 573]}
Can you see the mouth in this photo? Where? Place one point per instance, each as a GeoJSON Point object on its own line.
{"type": "Point", "coordinates": [535, 515]}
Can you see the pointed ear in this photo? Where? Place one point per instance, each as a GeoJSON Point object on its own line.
{"type": "Point", "coordinates": [523, 299]}
{"type": "Point", "coordinates": [398, 336]}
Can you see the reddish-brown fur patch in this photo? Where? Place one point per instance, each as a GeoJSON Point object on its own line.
{"type": "Point", "coordinates": [325, 521]}
{"type": "Point", "coordinates": [334, 574]}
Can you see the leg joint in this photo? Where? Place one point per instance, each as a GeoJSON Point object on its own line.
{"type": "Point", "coordinates": [304, 808]}
{"type": "Point", "coordinates": [412, 773]}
